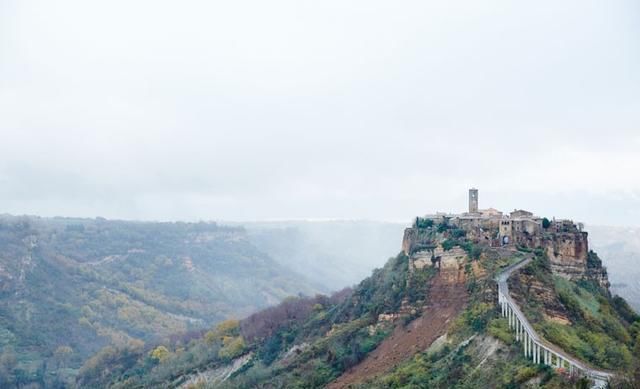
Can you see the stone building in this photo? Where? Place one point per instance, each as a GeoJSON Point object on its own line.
{"type": "Point", "coordinates": [563, 241]}
{"type": "Point", "coordinates": [473, 200]}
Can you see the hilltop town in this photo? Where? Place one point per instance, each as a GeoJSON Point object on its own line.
{"type": "Point", "coordinates": [564, 242]}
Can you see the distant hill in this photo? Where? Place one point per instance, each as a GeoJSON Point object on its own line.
{"type": "Point", "coordinates": [334, 254]}
{"type": "Point", "coordinates": [619, 248]}
{"type": "Point", "coordinates": [69, 287]}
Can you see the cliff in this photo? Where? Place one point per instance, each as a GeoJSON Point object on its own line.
{"type": "Point", "coordinates": [567, 253]}
{"type": "Point", "coordinates": [416, 238]}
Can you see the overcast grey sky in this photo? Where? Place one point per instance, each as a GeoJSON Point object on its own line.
{"type": "Point", "coordinates": [244, 110]}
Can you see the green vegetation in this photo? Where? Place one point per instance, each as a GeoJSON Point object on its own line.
{"type": "Point", "coordinates": [480, 352]}
{"type": "Point", "coordinates": [449, 244]}
{"type": "Point", "coordinates": [473, 250]}
{"type": "Point", "coordinates": [149, 335]}
{"type": "Point", "coordinates": [303, 341]}
{"type": "Point", "coordinates": [599, 335]}
{"type": "Point", "coordinates": [593, 261]}
{"type": "Point", "coordinates": [72, 287]}
{"type": "Point", "coordinates": [443, 226]}
{"type": "Point", "coordinates": [602, 328]}
{"type": "Point", "coordinates": [546, 223]}
{"type": "Point", "coordinates": [309, 342]}
{"type": "Point", "coordinates": [424, 223]}
{"type": "Point", "coordinates": [499, 329]}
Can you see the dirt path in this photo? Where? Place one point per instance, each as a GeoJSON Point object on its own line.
{"type": "Point", "coordinates": [447, 298]}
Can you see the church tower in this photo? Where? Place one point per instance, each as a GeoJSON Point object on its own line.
{"type": "Point", "coordinates": [473, 200]}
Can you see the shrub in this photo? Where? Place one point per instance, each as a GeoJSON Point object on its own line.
{"type": "Point", "coordinates": [474, 251]}
{"type": "Point", "coordinates": [525, 373]}
{"type": "Point", "coordinates": [160, 353]}
{"type": "Point", "coordinates": [624, 310]}
{"type": "Point", "coordinates": [442, 227]}
{"type": "Point", "coordinates": [449, 244]}
{"type": "Point", "coordinates": [458, 233]}
{"type": "Point", "coordinates": [232, 348]}
{"type": "Point", "coordinates": [499, 328]}
{"type": "Point", "coordinates": [593, 261]}
{"type": "Point", "coordinates": [424, 223]}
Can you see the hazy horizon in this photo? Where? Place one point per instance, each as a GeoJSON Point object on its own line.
{"type": "Point", "coordinates": [302, 110]}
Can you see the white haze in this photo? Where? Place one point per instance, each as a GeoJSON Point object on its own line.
{"type": "Point", "coordinates": [256, 110]}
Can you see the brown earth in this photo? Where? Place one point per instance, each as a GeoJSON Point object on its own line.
{"type": "Point", "coordinates": [447, 298]}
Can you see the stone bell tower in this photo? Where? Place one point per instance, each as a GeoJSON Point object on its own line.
{"type": "Point", "coordinates": [473, 200]}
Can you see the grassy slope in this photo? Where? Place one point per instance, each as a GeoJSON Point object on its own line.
{"type": "Point", "coordinates": [602, 329]}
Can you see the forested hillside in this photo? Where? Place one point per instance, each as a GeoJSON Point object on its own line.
{"type": "Point", "coordinates": [303, 342]}
{"type": "Point", "coordinates": [69, 287]}
{"type": "Point", "coordinates": [432, 326]}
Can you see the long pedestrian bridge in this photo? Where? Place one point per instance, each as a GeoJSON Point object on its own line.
{"type": "Point", "coordinates": [534, 347]}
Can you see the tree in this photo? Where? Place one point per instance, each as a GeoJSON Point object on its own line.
{"type": "Point", "coordinates": [448, 244]}
{"type": "Point", "coordinates": [160, 353]}
{"type": "Point", "coordinates": [62, 355]}
{"type": "Point", "coordinates": [232, 347]}
{"type": "Point", "coordinates": [546, 223]}
{"type": "Point", "coordinates": [8, 365]}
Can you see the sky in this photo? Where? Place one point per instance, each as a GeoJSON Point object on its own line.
{"type": "Point", "coordinates": [380, 110]}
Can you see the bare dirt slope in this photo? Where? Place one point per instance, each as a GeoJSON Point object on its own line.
{"type": "Point", "coordinates": [447, 298]}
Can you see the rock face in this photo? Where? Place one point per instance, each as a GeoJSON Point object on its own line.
{"type": "Point", "coordinates": [415, 238]}
{"type": "Point", "coordinates": [569, 256]}
{"type": "Point", "coordinates": [567, 252]}
{"type": "Point", "coordinates": [448, 259]}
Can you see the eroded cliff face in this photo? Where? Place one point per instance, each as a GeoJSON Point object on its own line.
{"type": "Point", "coordinates": [415, 238]}
{"type": "Point", "coordinates": [570, 258]}
{"type": "Point", "coordinates": [567, 253]}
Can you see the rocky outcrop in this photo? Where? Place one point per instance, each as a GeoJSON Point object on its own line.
{"type": "Point", "coordinates": [447, 259]}
{"type": "Point", "coordinates": [416, 238]}
{"type": "Point", "coordinates": [570, 258]}
{"type": "Point", "coordinates": [600, 276]}
{"type": "Point", "coordinates": [567, 253]}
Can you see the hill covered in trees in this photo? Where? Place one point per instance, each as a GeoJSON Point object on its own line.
{"type": "Point", "coordinates": [434, 325]}
{"type": "Point", "coordinates": [70, 287]}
